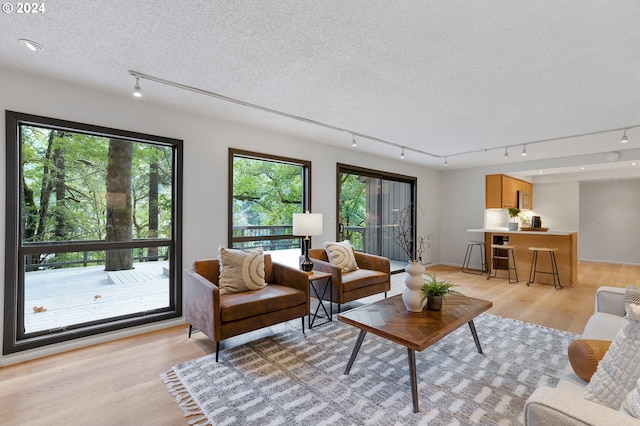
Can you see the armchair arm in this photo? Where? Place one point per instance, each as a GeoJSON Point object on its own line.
{"type": "Point", "coordinates": [202, 304]}
{"type": "Point", "coordinates": [610, 300]}
{"type": "Point", "coordinates": [330, 268]}
{"type": "Point", "coordinates": [373, 262]}
{"type": "Point", "coordinates": [550, 406]}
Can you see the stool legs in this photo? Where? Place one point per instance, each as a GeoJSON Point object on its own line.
{"type": "Point", "coordinates": [554, 269]}
{"type": "Point", "coordinates": [511, 263]}
{"type": "Point", "coordinates": [467, 259]}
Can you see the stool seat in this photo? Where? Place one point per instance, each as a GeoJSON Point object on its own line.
{"type": "Point", "coordinates": [467, 258]}
{"type": "Point", "coordinates": [510, 258]}
{"type": "Point", "coordinates": [554, 266]}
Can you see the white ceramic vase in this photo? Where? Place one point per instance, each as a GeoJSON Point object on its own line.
{"type": "Point", "coordinates": [412, 295]}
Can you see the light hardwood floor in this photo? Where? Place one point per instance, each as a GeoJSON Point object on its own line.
{"type": "Point", "coordinates": [118, 383]}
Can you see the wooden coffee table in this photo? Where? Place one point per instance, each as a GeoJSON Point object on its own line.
{"type": "Point", "coordinates": [390, 319]}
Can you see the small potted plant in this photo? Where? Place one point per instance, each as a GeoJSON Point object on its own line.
{"type": "Point", "coordinates": [436, 291]}
{"type": "Point", "coordinates": [513, 214]}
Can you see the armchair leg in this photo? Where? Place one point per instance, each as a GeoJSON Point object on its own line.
{"type": "Point", "coordinates": [338, 308]}
{"type": "Point", "coordinates": [302, 318]}
{"type": "Point", "coordinates": [217, 350]}
{"type": "Point", "coordinates": [190, 330]}
{"type": "Point", "coordinates": [385, 294]}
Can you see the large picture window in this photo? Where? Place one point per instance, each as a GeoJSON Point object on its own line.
{"type": "Point", "coordinates": [264, 193]}
{"type": "Point", "coordinates": [93, 230]}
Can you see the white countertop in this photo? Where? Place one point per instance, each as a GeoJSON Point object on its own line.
{"type": "Point", "coordinates": [506, 231]}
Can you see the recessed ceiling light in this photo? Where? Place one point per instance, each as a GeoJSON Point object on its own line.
{"type": "Point", "coordinates": [581, 168]}
{"type": "Point", "coordinates": [541, 172]}
{"type": "Point", "coordinates": [634, 163]}
{"type": "Point", "coordinates": [31, 45]}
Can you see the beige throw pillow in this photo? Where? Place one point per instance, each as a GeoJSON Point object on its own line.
{"type": "Point", "coordinates": [241, 270]}
{"type": "Point", "coordinates": [341, 255]}
{"type": "Point", "coordinates": [619, 370]}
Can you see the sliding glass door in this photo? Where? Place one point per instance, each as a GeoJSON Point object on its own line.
{"type": "Point", "coordinates": [368, 205]}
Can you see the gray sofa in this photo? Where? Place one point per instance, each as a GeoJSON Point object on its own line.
{"type": "Point", "coordinates": [564, 404]}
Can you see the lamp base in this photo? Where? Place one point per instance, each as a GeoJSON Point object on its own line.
{"type": "Point", "coordinates": [307, 264]}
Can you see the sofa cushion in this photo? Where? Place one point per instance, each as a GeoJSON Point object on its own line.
{"type": "Point", "coordinates": [602, 326]}
{"type": "Point", "coordinates": [584, 356]}
{"type": "Point", "coordinates": [241, 270]}
{"type": "Point", "coordinates": [619, 370]}
{"type": "Point", "coordinates": [362, 278]}
{"type": "Point", "coordinates": [272, 297]}
{"type": "Point", "coordinates": [341, 255]}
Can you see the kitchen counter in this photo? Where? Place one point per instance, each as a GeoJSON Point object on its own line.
{"type": "Point", "coordinates": [566, 257]}
{"type": "Point", "coordinates": [506, 231]}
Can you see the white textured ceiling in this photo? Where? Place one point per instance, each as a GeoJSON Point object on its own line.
{"type": "Point", "coordinates": [443, 77]}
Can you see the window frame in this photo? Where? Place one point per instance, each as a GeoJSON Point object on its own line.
{"type": "Point", "coordinates": [306, 190]}
{"type": "Point", "coordinates": [15, 249]}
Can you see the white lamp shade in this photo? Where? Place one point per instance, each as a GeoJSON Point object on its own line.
{"type": "Point", "coordinates": [307, 224]}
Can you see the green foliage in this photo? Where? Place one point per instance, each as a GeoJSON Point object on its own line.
{"type": "Point", "coordinates": [64, 186]}
{"type": "Point", "coordinates": [434, 287]}
{"type": "Point", "coordinates": [353, 205]}
{"type": "Point", "coordinates": [513, 212]}
{"type": "Point", "coordinates": [265, 192]}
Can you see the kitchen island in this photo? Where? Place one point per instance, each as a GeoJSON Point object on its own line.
{"type": "Point", "coordinates": [566, 256]}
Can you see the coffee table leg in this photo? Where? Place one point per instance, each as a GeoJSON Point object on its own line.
{"type": "Point", "coordinates": [475, 336]}
{"type": "Point", "coordinates": [356, 349]}
{"type": "Point", "coordinates": [414, 379]}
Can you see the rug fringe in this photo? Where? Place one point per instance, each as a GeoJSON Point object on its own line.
{"type": "Point", "coordinates": [184, 400]}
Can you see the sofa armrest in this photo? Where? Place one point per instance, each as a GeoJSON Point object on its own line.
{"type": "Point", "coordinates": [373, 262]}
{"type": "Point", "coordinates": [290, 277]}
{"type": "Point", "coordinates": [610, 300]}
{"type": "Point", "coordinates": [550, 406]}
{"type": "Point", "coordinates": [201, 300]}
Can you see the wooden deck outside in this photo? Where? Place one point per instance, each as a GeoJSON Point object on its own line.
{"type": "Point", "coordinates": [55, 299]}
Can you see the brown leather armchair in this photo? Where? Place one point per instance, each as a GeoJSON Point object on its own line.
{"type": "Point", "coordinates": [219, 316]}
{"type": "Point", "coordinates": [373, 276]}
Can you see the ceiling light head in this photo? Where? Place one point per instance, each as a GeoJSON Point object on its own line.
{"type": "Point", "coordinates": [137, 91]}
{"type": "Point", "coordinates": [446, 163]}
{"type": "Point", "coordinates": [353, 142]}
{"type": "Point", "coordinates": [402, 153]}
{"type": "Point", "coordinates": [506, 153]}
{"type": "Point", "coordinates": [30, 44]}
{"type": "Point", "coordinates": [524, 150]}
{"type": "Point", "coordinates": [624, 139]}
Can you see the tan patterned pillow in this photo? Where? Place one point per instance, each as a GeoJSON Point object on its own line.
{"type": "Point", "coordinates": [341, 255]}
{"type": "Point", "coordinates": [241, 270]}
{"type": "Point", "coordinates": [631, 295]}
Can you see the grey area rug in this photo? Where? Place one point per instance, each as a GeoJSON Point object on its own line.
{"type": "Point", "coordinates": [295, 378]}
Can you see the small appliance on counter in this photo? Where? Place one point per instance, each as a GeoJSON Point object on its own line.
{"type": "Point", "coordinates": [536, 222]}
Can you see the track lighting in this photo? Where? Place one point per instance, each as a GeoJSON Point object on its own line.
{"type": "Point", "coordinates": [446, 163]}
{"type": "Point", "coordinates": [524, 151]}
{"type": "Point", "coordinates": [30, 44]}
{"type": "Point", "coordinates": [506, 153]}
{"type": "Point", "coordinates": [137, 91]}
{"type": "Point", "coordinates": [402, 153]}
{"type": "Point", "coordinates": [354, 143]}
{"type": "Point", "coordinates": [624, 137]}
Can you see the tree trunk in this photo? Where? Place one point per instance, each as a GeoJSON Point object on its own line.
{"type": "Point", "coordinates": [119, 212]}
{"type": "Point", "coordinates": [45, 190]}
{"type": "Point", "coordinates": [154, 179]}
{"type": "Point", "coordinates": [60, 233]}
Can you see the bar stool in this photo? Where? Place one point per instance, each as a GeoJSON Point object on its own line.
{"type": "Point", "coordinates": [467, 258]}
{"type": "Point", "coordinates": [498, 255]}
{"type": "Point", "coordinates": [554, 266]}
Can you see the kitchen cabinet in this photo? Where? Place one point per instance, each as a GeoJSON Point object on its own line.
{"type": "Point", "coordinates": [501, 192]}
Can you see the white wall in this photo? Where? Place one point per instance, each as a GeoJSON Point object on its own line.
{"type": "Point", "coordinates": [609, 229]}
{"type": "Point", "coordinates": [558, 205]}
{"type": "Point", "coordinates": [206, 143]}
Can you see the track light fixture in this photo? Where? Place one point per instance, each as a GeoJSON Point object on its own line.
{"type": "Point", "coordinates": [30, 44]}
{"type": "Point", "coordinates": [624, 137]}
{"type": "Point", "coordinates": [524, 151]}
{"type": "Point", "coordinates": [137, 91]}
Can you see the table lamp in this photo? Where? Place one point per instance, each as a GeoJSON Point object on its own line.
{"type": "Point", "coordinates": [306, 225]}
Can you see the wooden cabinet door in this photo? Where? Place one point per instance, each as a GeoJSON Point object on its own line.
{"type": "Point", "coordinates": [509, 192]}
